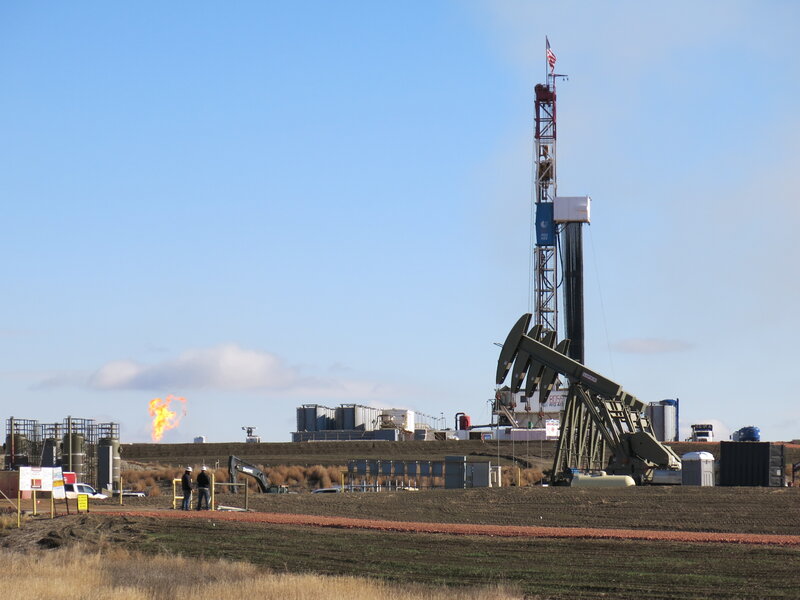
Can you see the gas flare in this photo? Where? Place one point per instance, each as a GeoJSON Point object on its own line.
{"type": "Point", "coordinates": [164, 418]}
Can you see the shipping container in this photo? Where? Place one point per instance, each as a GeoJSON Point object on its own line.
{"type": "Point", "coordinates": [751, 464]}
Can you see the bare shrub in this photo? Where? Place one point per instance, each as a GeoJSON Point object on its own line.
{"type": "Point", "coordinates": [277, 475]}
{"type": "Point", "coordinates": [317, 476]}
{"type": "Point", "coordinates": [295, 475]}
{"type": "Point", "coordinates": [335, 473]}
{"type": "Point", "coordinates": [532, 476]}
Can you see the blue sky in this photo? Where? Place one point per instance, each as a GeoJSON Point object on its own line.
{"type": "Point", "coordinates": [260, 205]}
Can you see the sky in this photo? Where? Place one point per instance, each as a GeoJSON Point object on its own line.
{"type": "Point", "coordinates": [259, 205]}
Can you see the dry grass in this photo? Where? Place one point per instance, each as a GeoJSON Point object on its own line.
{"type": "Point", "coordinates": [87, 575]}
{"type": "Point", "coordinates": [9, 520]}
{"type": "Point", "coordinates": [158, 479]}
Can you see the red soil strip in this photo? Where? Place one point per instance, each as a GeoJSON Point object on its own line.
{"type": "Point", "coordinates": [473, 529]}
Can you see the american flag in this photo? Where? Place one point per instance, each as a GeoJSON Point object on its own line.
{"type": "Point", "coordinates": [551, 58]}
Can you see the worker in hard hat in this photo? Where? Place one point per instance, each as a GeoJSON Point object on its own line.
{"type": "Point", "coordinates": [203, 489]}
{"type": "Point", "coordinates": [186, 486]}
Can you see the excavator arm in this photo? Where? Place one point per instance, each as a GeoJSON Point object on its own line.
{"type": "Point", "coordinates": [237, 465]}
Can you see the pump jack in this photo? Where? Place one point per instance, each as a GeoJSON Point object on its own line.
{"type": "Point", "coordinates": [603, 427]}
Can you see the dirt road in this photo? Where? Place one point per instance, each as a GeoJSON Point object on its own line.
{"type": "Point", "coordinates": [468, 529]}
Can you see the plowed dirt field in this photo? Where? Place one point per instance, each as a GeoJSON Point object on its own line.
{"type": "Point", "coordinates": [472, 529]}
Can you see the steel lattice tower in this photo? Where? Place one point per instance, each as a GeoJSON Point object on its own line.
{"type": "Point", "coordinates": [545, 261]}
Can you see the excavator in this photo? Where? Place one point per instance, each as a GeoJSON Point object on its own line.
{"type": "Point", "coordinates": [237, 465]}
{"type": "Point", "coordinates": [603, 427]}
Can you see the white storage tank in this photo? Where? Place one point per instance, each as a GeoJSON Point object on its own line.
{"type": "Point", "coordinates": [663, 416]}
{"type": "Point", "coordinates": [697, 469]}
{"type": "Point", "coordinates": [601, 479]}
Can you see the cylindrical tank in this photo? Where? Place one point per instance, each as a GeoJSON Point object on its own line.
{"type": "Point", "coordinates": [330, 418]}
{"type": "Point", "coordinates": [663, 417]}
{"type": "Point", "coordinates": [670, 420]}
{"type": "Point", "coordinates": [348, 417]}
{"type": "Point", "coordinates": [310, 417]}
{"type": "Point", "coordinates": [322, 418]}
{"type": "Point", "coordinates": [602, 480]}
{"type": "Point", "coordinates": [751, 433]}
{"type": "Point", "coordinates": [464, 421]}
{"type": "Point", "coordinates": [108, 464]}
{"type": "Point", "coordinates": [17, 450]}
{"type": "Point", "coordinates": [73, 454]}
{"type": "Point", "coordinates": [51, 453]}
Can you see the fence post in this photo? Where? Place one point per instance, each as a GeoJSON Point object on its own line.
{"type": "Point", "coordinates": [213, 489]}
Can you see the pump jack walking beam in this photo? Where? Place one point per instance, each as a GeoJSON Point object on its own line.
{"type": "Point", "coordinates": [599, 418]}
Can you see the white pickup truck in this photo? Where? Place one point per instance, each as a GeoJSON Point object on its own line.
{"type": "Point", "coordinates": [73, 489]}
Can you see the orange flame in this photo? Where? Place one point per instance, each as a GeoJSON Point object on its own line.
{"type": "Point", "coordinates": [163, 418]}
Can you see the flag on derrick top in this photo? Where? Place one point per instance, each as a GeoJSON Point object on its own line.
{"type": "Point", "coordinates": [551, 58]}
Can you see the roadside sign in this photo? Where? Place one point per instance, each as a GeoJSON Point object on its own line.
{"type": "Point", "coordinates": [83, 502]}
{"type": "Point", "coordinates": [35, 479]}
{"type": "Point", "coordinates": [59, 492]}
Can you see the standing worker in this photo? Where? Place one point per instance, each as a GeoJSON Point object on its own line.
{"type": "Point", "coordinates": [186, 485]}
{"type": "Point", "coordinates": [203, 488]}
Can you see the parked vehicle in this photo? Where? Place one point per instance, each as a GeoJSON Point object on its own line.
{"type": "Point", "coordinates": [702, 432]}
{"type": "Point", "coordinates": [73, 489]}
{"type": "Point", "coordinates": [750, 433]}
{"type": "Point", "coordinates": [130, 494]}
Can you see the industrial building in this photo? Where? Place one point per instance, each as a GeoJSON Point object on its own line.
{"type": "Point", "coordinates": [91, 450]}
{"type": "Point", "coordinates": [358, 422]}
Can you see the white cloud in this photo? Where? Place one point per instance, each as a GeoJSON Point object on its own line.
{"type": "Point", "coordinates": [651, 346]}
{"type": "Point", "coordinates": [227, 367]}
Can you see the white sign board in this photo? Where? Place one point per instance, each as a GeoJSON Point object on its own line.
{"type": "Point", "coordinates": [42, 479]}
{"type": "Point", "coordinates": [59, 493]}
{"type": "Point", "coordinates": [551, 427]}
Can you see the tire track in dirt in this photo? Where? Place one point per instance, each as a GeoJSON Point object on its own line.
{"type": "Point", "coordinates": [471, 529]}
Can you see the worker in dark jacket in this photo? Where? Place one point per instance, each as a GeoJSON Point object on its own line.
{"type": "Point", "coordinates": [186, 485]}
{"type": "Point", "coordinates": [203, 488]}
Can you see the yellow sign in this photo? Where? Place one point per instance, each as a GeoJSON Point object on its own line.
{"type": "Point", "coordinates": [83, 502]}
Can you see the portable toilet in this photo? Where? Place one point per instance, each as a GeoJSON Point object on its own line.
{"type": "Point", "coordinates": [697, 469]}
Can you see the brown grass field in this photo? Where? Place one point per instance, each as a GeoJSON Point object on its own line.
{"type": "Point", "coordinates": [537, 566]}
